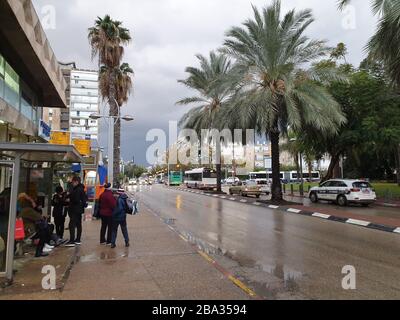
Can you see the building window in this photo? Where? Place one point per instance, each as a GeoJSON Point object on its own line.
{"type": "Point", "coordinates": [11, 80]}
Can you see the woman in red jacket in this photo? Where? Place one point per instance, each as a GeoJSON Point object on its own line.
{"type": "Point", "coordinates": [107, 203]}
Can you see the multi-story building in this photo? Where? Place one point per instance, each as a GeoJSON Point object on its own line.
{"type": "Point", "coordinates": [84, 101]}
{"type": "Point", "coordinates": [30, 77]}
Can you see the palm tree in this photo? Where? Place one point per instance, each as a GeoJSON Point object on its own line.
{"type": "Point", "coordinates": [213, 93]}
{"type": "Point", "coordinates": [107, 38]}
{"type": "Point", "coordinates": [122, 82]}
{"type": "Point", "coordinates": [275, 92]}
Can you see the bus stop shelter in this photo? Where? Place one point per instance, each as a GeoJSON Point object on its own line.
{"type": "Point", "coordinates": [13, 155]}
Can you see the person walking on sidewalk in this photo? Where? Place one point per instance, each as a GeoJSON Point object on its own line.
{"type": "Point", "coordinates": [77, 204]}
{"type": "Point", "coordinates": [119, 219]}
{"type": "Point", "coordinates": [107, 204]}
{"type": "Point", "coordinates": [58, 204]}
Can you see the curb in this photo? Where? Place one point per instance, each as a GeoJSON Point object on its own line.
{"type": "Point", "coordinates": [354, 222]}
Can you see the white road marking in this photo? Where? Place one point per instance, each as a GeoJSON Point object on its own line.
{"type": "Point", "coordinates": [358, 222]}
{"type": "Point", "coordinates": [397, 230]}
{"type": "Point", "coordinates": [321, 215]}
{"type": "Point", "coordinates": [294, 210]}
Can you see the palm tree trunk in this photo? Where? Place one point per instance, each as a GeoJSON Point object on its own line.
{"type": "Point", "coordinates": [296, 158]}
{"type": "Point", "coordinates": [114, 112]}
{"type": "Point", "coordinates": [331, 170]}
{"type": "Point", "coordinates": [276, 188]}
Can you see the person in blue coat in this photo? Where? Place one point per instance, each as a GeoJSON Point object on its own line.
{"type": "Point", "coordinates": [119, 219]}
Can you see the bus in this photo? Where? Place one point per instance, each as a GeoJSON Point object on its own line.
{"type": "Point", "coordinates": [202, 178]}
{"type": "Point", "coordinates": [175, 178]}
{"type": "Point", "coordinates": [286, 176]}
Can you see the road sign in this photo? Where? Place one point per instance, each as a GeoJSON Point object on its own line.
{"type": "Point", "coordinates": [83, 146]}
{"type": "Point", "coordinates": [60, 137]}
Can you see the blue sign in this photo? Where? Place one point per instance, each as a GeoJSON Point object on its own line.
{"type": "Point", "coordinates": [44, 130]}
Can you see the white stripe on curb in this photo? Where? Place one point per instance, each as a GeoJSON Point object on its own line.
{"type": "Point", "coordinates": [358, 222]}
{"type": "Point", "coordinates": [321, 215]}
{"type": "Point", "coordinates": [293, 210]}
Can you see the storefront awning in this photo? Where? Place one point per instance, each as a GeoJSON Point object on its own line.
{"type": "Point", "coordinates": [41, 152]}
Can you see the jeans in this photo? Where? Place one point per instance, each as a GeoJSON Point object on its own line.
{"type": "Point", "coordinates": [75, 223]}
{"type": "Point", "coordinates": [59, 221]}
{"type": "Point", "coordinates": [44, 233]}
{"type": "Point", "coordinates": [124, 229]}
{"type": "Point", "coordinates": [106, 226]}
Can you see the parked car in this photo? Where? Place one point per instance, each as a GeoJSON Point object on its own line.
{"type": "Point", "coordinates": [265, 187]}
{"type": "Point", "coordinates": [249, 188]}
{"type": "Point", "coordinates": [232, 181]}
{"type": "Point", "coordinates": [344, 192]}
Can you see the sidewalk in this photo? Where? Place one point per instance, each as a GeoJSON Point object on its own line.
{"type": "Point", "coordinates": [158, 265]}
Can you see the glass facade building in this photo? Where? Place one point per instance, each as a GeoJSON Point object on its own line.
{"type": "Point", "coordinates": [16, 93]}
{"type": "Point", "coordinates": [84, 101]}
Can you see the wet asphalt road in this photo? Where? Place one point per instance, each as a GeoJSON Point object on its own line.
{"type": "Point", "coordinates": [281, 255]}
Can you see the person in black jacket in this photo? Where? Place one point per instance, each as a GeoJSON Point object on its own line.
{"type": "Point", "coordinates": [59, 213]}
{"type": "Point", "coordinates": [77, 203]}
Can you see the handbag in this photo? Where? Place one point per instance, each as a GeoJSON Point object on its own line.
{"type": "Point", "coordinates": [19, 230]}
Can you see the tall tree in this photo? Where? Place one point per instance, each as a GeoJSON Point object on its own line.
{"type": "Point", "coordinates": [211, 82]}
{"type": "Point", "coordinates": [107, 38]}
{"type": "Point", "coordinates": [276, 92]}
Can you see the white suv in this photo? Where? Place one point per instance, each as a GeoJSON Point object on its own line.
{"type": "Point", "coordinates": [344, 191]}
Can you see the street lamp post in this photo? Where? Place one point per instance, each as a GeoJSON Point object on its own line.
{"type": "Point", "coordinates": [112, 120]}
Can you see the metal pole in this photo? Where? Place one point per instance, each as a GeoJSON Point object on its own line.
{"type": "Point", "coordinates": [301, 176]}
{"type": "Point", "coordinates": [12, 218]}
{"type": "Point", "coordinates": [111, 151]}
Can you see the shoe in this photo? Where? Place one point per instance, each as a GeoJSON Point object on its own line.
{"type": "Point", "coordinates": [108, 244]}
{"type": "Point", "coordinates": [102, 243]}
{"type": "Point", "coordinates": [70, 244]}
{"type": "Point", "coordinates": [43, 254]}
{"type": "Point", "coordinates": [113, 246]}
{"type": "Point", "coordinates": [46, 250]}
{"type": "Point", "coordinates": [47, 246]}
{"type": "Point", "coordinates": [127, 245]}
{"type": "Point", "coordinates": [78, 243]}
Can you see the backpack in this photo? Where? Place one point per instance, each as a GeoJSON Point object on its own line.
{"type": "Point", "coordinates": [131, 207]}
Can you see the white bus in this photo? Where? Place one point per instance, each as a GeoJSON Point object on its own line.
{"type": "Point", "coordinates": [286, 176]}
{"type": "Point", "coordinates": [202, 178]}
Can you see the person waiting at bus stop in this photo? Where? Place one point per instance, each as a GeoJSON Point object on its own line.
{"type": "Point", "coordinates": [119, 219]}
{"type": "Point", "coordinates": [107, 204]}
{"type": "Point", "coordinates": [77, 200]}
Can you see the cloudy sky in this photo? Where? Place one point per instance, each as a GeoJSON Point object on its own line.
{"type": "Point", "coordinates": [166, 36]}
